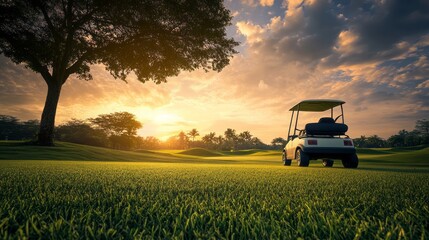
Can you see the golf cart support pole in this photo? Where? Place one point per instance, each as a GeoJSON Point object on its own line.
{"type": "Point", "coordinates": [342, 112]}
{"type": "Point", "coordinates": [332, 112]}
{"type": "Point", "coordinates": [290, 125]}
{"type": "Point", "coordinates": [296, 121]}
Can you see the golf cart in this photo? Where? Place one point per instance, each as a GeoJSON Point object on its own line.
{"type": "Point", "coordinates": [325, 139]}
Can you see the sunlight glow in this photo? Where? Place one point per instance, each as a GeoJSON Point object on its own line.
{"type": "Point", "coordinates": [166, 118]}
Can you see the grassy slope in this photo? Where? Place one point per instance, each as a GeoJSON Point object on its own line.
{"type": "Point", "coordinates": [69, 151]}
{"type": "Point", "coordinates": [396, 157]}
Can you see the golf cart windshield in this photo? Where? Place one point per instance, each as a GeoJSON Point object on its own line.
{"type": "Point", "coordinates": [326, 125]}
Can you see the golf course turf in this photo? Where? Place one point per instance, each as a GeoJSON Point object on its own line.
{"type": "Point", "coordinates": [76, 191]}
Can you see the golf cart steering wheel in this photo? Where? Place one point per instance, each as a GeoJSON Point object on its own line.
{"type": "Point", "coordinates": [338, 117]}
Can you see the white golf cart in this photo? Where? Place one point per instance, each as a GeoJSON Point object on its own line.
{"type": "Point", "coordinates": [326, 139]}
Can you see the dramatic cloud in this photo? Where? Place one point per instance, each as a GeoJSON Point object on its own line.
{"type": "Point", "coordinates": [371, 54]}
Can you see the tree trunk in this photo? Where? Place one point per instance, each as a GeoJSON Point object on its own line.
{"type": "Point", "coordinates": [47, 123]}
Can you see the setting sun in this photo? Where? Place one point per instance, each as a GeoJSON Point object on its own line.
{"type": "Point", "coordinates": [167, 119]}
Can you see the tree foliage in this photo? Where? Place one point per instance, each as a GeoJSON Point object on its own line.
{"type": "Point", "coordinates": [153, 39]}
{"type": "Point", "coordinates": [11, 128]}
{"type": "Point", "coordinates": [278, 142]}
{"type": "Point", "coordinates": [403, 138]}
{"type": "Point", "coordinates": [422, 127]}
{"type": "Point", "coordinates": [193, 134]}
{"type": "Point", "coordinates": [120, 127]}
{"type": "Point", "coordinates": [209, 138]}
{"type": "Point", "coordinates": [149, 143]}
{"type": "Point", "coordinates": [82, 132]}
{"type": "Point", "coordinates": [118, 123]}
{"type": "Point", "coordinates": [119, 130]}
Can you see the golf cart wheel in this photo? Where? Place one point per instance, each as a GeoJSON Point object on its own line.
{"type": "Point", "coordinates": [328, 162]}
{"type": "Point", "coordinates": [286, 162]}
{"type": "Point", "coordinates": [351, 161]}
{"type": "Point", "coordinates": [302, 158]}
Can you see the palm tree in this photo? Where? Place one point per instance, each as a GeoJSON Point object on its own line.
{"type": "Point", "coordinates": [231, 138]}
{"type": "Point", "coordinates": [209, 138]}
{"type": "Point", "coordinates": [219, 141]}
{"type": "Point", "coordinates": [230, 134]}
{"type": "Point", "coordinates": [182, 140]}
{"type": "Point", "coordinates": [193, 133]}
{"type": "Point", "coordinates": [244, 140]}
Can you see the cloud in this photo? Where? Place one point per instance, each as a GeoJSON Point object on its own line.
{"type": "Point", "coordinates": [345, 43]}
{"type": "Point", "coordinates": [381, 30]}
{"type": "Point", "coordinates": [21, 91]}
{"type": "Point", "coordinates": [295, 7]}
{"type": "Point", "coordinates": [253, 33]}
{"type": "Point", "coordinates": [392, 22]}
{"type": "Point", "coordinates": [328, 34]}
{"type": "Point", "coordinates": [251, 3]}
{"type": "Point", "coordinates": [306, 33]}
{"type": "Point", "coordinates": [235, 13]}
{"type": "Point", "coordinates": [266, 3]}
{"type": "Point", "coordinates": [423, 85]}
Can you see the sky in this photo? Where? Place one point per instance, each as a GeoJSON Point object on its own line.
{"type": "Point", "coordinates": [372, 54]}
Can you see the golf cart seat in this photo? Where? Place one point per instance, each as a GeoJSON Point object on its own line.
{"type": "Point", "coordinates": [326, 120]}
{"type": "Point", "coordinates": [326, 126]}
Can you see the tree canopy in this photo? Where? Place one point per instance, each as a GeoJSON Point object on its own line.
{"type": "Point", "coordinates": [82, 132]}
{"type": "Point", "coordinates": [152, 39]}
{"type": "Point", "coordinates": [118, 123]}
{"type": "Point", "coordinates": [422, 126]}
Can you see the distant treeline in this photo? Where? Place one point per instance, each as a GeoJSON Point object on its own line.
{"type": "Point", "coordinates": [119, 131]}
{"type": "Point", "coordinates": [419, 136]}
{"type": "Point", "coordinates": [11, 128]}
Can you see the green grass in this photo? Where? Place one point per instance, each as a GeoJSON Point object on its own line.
{"type": "Point", "coordinates": [75, 191]}
{"type": "Point", "coordinates": [200, 152]}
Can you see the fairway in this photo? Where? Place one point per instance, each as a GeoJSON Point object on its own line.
{"type": "Point", "coordinates": [240, 195]}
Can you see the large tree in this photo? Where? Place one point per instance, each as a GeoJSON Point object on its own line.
{"type": "Point", "coordinates": [230, 138]}
{"type": "Point", "coordinates": [121, 127]}
{"type": "Point", "coordinates": [209, 139]}
{"type": "Point", "coordinates": [153, 39]}
{"type": "Point", "coordinates": [278, 142]}
{"type": "Point", "coordinates": [182, 140]}
{"type": "Point", "coordinates": [117, 124]}
{"type": "Point", "coordinates": [422, 126]}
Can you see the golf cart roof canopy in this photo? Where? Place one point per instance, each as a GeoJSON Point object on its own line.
{"type": "Point", "coordinates": [316, 105]}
